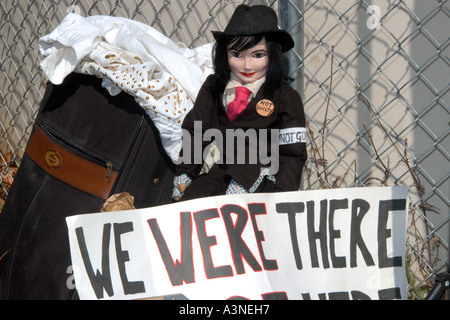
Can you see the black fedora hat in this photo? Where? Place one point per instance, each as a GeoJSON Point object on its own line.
{"type": "Point", "coordinates": [259, 19]}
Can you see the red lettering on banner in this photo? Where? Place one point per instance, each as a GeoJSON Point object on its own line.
{"type": "Point", "coordinates": [239, 248]}
{"type": "Point", "coordinates": [181, 271]}
{"type": "Point", "coordinates": [257, 209]}
{"type": "Point", "coordinates": [206, 242]}
{"type": "Point", "coordinates": [178, 271]}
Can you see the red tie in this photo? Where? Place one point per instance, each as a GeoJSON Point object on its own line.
{"type": "Point", "coordinates": [239, 103]}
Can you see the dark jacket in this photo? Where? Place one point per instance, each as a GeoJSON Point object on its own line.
{"type": "Point", "coordinates": [287, 113]}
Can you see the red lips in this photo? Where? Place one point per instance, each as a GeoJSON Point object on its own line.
{"type": "Point", "coordinates": [247, 74]}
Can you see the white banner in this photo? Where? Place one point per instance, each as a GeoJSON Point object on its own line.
{"type": "Point", "coordinates": [321, 244]}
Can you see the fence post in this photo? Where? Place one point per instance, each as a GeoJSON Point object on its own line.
{"type": "Point", "coordinates": [291, 19]}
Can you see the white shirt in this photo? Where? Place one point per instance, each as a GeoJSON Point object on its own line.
{"type": "Point", "coordinates": [133, 57]}
{"type": "Point", "coordinates": [234, 82]}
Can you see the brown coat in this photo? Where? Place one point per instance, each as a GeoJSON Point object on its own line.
{"type": "Point", "coordinates": [287, 113]}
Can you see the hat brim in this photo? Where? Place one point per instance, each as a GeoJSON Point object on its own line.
{"type": "Point", "coordinates": [281, 36]}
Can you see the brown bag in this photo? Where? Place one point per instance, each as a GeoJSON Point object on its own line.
{"type": "Point", "coordinates": [86, 145]}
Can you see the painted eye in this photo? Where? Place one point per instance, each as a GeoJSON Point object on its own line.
{"type": "Point", "coordinates": [236, 54]}
{"type": "Point", "coordinates": [259, 55]}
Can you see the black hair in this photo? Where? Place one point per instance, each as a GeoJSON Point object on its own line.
{"type": "Point", "coordinates": [276, 72]}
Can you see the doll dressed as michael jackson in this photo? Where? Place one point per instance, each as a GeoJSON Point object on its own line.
{"type": "Point", "coordinates": [241, 105]}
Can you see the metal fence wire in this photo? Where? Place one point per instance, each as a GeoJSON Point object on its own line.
{"type": "Point", "coordinates": [374, 76]}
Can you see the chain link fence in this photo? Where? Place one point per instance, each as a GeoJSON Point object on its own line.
{"type": "Point", "coordinates": [374, 76]}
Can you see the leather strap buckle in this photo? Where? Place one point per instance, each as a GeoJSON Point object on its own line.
{"type": "Point", "coordinates": [70, 168]}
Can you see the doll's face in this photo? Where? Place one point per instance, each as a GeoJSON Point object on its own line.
{"type": "Point", "coordinates": [249, 65]}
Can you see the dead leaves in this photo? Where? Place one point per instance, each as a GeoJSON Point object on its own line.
{"type": "Point", "coordinates": [8, 170]}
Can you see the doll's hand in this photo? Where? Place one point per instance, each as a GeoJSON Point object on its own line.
{"type": "Point", "coordinates": [180, 183]}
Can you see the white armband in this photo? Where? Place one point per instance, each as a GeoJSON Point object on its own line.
{"type": "Point", "coordinates": [292, 135]}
